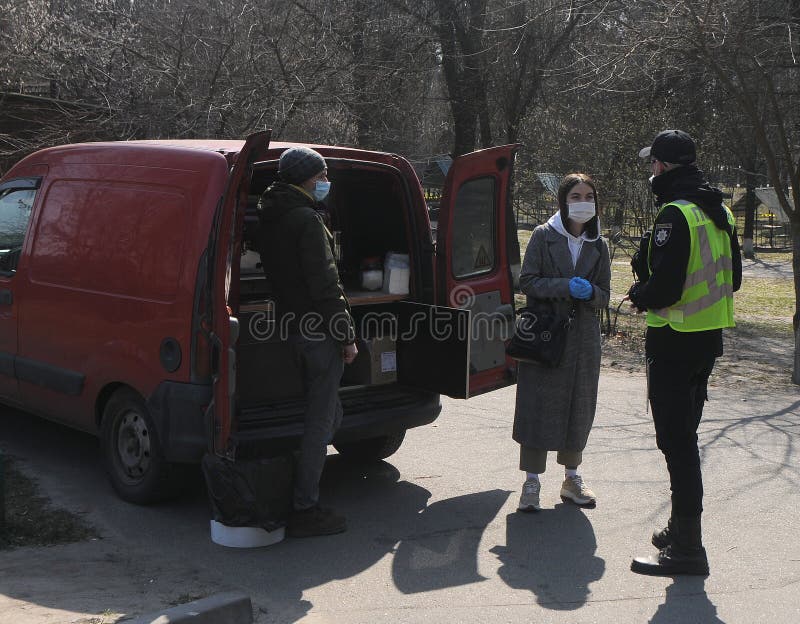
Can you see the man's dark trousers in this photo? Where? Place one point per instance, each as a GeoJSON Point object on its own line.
{"type": "Point", "coordinates": [322, 365]}
{"type": "Point", "coordinates": [677, 390]}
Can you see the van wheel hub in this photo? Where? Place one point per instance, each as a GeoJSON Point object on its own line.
{"type": "Point", "coordinates": [133, 444]}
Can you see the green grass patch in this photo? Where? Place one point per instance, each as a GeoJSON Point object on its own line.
{"type": "Point", "coordinates": [774, 256]}
{"type": "Point", "coordinates": [524, 237]}
{"type": "Point", "coordinates": [766, 300]}
{"type": "Point", "coordinates": [30, 520]}
{"type": "Point", "coordinates": [621, 278]}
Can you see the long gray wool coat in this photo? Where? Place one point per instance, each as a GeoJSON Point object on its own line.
{"type": "Point", "coordinates": [555, 406]}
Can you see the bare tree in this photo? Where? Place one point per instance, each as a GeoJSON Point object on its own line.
{"type": "Point", "coordinates": [751, 50]}
{"type": "Point", "coordinates": [529, 43]}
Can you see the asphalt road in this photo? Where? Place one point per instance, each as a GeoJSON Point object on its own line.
{"type": "Point", "coordinates": [434, 535]}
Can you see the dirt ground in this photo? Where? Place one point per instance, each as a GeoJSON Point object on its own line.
{"type": "Point", "coordinates": [29, 519]}
{"type": "Point", "coordinates": [749, 357]}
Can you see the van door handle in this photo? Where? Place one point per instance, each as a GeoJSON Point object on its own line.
{"type": "Point", "coordinates": [6, 296]}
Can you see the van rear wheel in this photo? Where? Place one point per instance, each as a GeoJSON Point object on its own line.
{"type": "Point", "coordinates": [132, 452]}
{"type": "Point", "coordinates": [371, 449]}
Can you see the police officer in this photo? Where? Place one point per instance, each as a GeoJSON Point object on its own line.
{"type": "Point", "coordinates": [695, 266]}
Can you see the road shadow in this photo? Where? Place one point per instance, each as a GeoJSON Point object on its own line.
{"type": "Point", "coordinates": [551, 553]}
{"type": "Point", "coordinates": [431, 547]}
{"type": "Point", "coordinates": [440, 546]}
{"type": "Point", "coordinates": [738, 428]}
{"type": "Point", "coordinates": [686, 601]}
{"type": "Point", "coordinates": [379, 508]}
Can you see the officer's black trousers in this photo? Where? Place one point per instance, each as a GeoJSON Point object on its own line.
{"type": "Point", "coordinates": [677, 392]}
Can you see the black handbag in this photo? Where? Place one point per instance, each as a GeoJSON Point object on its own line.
{"type": "Point", "coordinates": [540, 336]}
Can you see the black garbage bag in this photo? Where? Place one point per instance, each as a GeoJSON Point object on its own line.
{"type": "Point", "coordinates": [252, 493]}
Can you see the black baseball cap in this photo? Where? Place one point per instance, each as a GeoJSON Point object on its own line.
{"type": "Point", "coordinates": [671, 146]}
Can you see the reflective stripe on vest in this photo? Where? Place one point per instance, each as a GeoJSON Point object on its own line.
{"type": "Point", "coordinates": [707, 298]}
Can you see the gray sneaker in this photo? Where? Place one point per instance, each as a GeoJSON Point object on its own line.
{"type": "Point", "coordinates": [575, 489]}
{"type": "Point", "coordinates": [529, 499]}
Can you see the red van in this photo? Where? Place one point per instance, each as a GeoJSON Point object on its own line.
{"type": "Point", "coordinates": [133, 306]}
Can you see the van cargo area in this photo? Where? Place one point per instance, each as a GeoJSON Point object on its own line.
{"type": "Point", "coordinates": [368, 212]}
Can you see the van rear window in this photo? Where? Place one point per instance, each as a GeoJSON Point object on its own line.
{"type": "Point", "coordinates": [474, 228]}
{"type": "Point", "coordinates": [115, 238]}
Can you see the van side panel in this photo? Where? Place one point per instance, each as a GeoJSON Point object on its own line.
{"type": "Point", "coordinates": [97, 239]}
{"type": "Point", "coordinates": [110, 274]}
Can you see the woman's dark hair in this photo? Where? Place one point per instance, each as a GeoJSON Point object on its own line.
{"type": "Point", "coordinates": [570, 180]}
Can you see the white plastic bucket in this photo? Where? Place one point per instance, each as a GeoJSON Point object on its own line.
{"type": "Point", "coordinates": [244, 537]}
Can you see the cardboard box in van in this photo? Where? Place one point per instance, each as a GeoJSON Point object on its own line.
{"type": "Point", "coordinates": [376, 362]}
{"type": "Point", "coordinates": [133, 304]}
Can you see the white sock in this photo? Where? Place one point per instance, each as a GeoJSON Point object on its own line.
{"type": "Point", "coordinates": [570, 472]}
{"type": "Point", "coordinates": [532, 475]}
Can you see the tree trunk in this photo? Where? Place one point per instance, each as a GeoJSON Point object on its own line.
{"type": "Point", "coordinates": [796, 372]}
{"type": "Point", "coordinates": [796, 272]}
{"type": "Point", "coordinates": [462, 107]}
{"type": "Point", "coordinates": [464, 125]}
{"type": "Point", "coordinates": [361, 106]}
{"type": "Point", "coordinates": [749, 217]}
{"type": "Point", "coordinates": [464, 73]}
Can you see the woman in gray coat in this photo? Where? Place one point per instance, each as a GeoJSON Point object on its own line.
{"type": "Point", "coordinates": [566, 264]}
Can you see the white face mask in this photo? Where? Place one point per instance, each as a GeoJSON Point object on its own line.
{"type": "Point", "coordinates": [581, 212]}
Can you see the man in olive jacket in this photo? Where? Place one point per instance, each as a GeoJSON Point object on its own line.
{"type": "Point", "coordinates": [312, 313]}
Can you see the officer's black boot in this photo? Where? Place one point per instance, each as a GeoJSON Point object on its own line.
{"type": "Point", "coordinates": [663, 538]}
{"type": "Point", "coordinates": [685, 555]}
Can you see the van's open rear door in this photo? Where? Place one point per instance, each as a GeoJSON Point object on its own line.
{"type": "Point", "coordinates": [221, 257]}
{"type": "Point", "coordinates": [477, 255]}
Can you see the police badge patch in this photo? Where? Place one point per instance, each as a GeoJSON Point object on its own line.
{"type": "Point", "coordinates": [662, 233]}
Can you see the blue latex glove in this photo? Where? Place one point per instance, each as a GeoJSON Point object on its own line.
{"type": "Point", "coordinates": [580, 288]}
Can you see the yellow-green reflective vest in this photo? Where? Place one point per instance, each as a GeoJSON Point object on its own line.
{"type": "Point", "coordinates": [707, 298]}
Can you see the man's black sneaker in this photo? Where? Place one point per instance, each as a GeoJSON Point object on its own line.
{"type": "Point", "coordinates": [671, 561]}
{"type": "Point", "coordinates": [315, 521]}
{"type": "Point", "coordinates": [684, 554]}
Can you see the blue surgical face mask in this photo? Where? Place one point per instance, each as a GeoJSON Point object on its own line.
{"type": "Point", "coordinates": [321, 190]}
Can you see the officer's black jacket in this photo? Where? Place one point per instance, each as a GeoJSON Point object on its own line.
{"type": "Point", "coordinates": [671, 244]}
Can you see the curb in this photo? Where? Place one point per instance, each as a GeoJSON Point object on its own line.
{"type": "Point", "coordinates": [224, 608]}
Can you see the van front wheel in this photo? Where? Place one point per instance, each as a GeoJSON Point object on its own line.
{"type": "Point", "coordinates": [132, 453]}
{"type": "Point", "coordinates": [371, 449]}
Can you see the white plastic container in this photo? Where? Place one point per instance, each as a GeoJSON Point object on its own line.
{"type": "Point", "coordinates": [371, 279]}
{"type": "Point", "coordinates": [396, 273]}
{"type": "Point", "coordinates": [395, 281]}
{"type": "Point", "coordinates": [244, 537]}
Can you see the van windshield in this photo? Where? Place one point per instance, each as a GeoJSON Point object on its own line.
{"type": "Point", "coordinates": [15, 213]}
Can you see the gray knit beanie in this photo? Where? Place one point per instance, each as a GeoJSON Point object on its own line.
{"type": "Point", "coordinates": [298, 164]}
